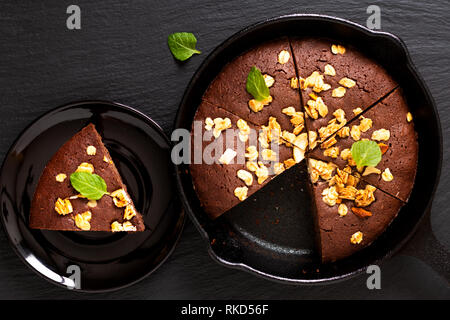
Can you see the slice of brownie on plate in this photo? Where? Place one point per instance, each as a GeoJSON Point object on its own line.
{"type": "Point", "coordinates": [57, 205]}
{"type": "Point", "coordinates": [349, 213]}
{"type": "Point", "coordinates": [336, 83]}
{"type": "Point", "coordinates": [231, 158]}
{"type": "Point", "coordinates": [390, 124]}
{"type": "Point", "coordinates": [274, 60]}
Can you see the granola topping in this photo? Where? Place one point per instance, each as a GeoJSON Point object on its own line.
{"type": "Point", "coordinates": [85, 167]}
{"type": "Point", "coordinates": [120, 198]}
{"type": "Point", "coordinates": [356, 238]}
{"type": "Point", "coordinates": [342, 210]}
{"type": "Point", "coordinates": [329, 70]}
{"type": "Point", "coordinates": [269, 80]}
{"type": "Point", "coordinates": [61, 177]}
{"type": "Point", "coordinates": [63, 206]}
{"type": "Point", "coordinates": [91, 150]}
{"type": "Point", "coordinates": [337, 49]}
{"type": "Point", "coordinates": [129, 212]}
{"type": "Point", "coordinates": [381, 135]}
{"type": "Point", "coordinates": [283, 56]}
{"type": "Point", "coordinates": [387, 175]}
{"type": "Point", "coordinates": [339, 92]}
{"type": "Point", "coordinates": [220, 125]}
{"type": "Point", "coordinates": [82, 220]}
{"type": "Point", "coordinates": [245, 176]}
{"type": "Point", "coordinates": [241, 193]}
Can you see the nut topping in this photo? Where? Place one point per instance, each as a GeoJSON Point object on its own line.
{"type": "Point", "coordinates": [337, 49]}
{"type": "Point", "coordinates": [269, 80]}
{"type": "Point", "coordinates": [120, 198]}
{"type": "Point", "coordinates": [91, 150]}
{"type": "Point", "coordinates": [339, 92]}
{"type": "Point", "coordinates": [241, 193]}
{"type": "Point", "coordinates": [346, 82]}
{"type": "Point", "coordinates": [409, 117]}
{"type": "Point", "coordinates": [209, 123]}
{"type": "Point", "coordinates": [371, 170]}
{"type": "Point", "coordinates": [342, 210]}
{"type": "Point", "coordinates": [82, 220]}
{"type": "Point", "coordinates": [381, 135]}
{"type": "Point", "coordinates": [129, 212]}
{"type": "Point", "coordinates": [126, 226]}
{"type": "Point", "coordinates": [61, 177]}
{"type": "Point", "coordinates": [356, 238]}
{"type": "Point", "coordinates": [357, 111]}
{"type": "Point", "coordinates": [383, 147]}
{"type": "Point", "coordinates": [329, 70]}
{"type": "Point", "coordinates": [63, 207]}
{"type": "Point", "coordinates": [245, 176]}
{"type": "Point", "coordinates": [283, 56]}
{"type": "Point", "coordinates": [387, 175]}
{"type": "Point", "coordinates": [85, 167]}
{"type": "Point", "coordinates": [220, 125]}
{"type": "Point", "coordinates": [360, 212]}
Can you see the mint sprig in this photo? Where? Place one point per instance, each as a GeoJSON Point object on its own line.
{"type": "Point", "coordinates": [182, 45]}
{"type": "Point", "coordinates": [89, 185]}
{"type": "Point", "coordinates": [366, 153]}
{"type": "Point", "coordinates": [256, 85]}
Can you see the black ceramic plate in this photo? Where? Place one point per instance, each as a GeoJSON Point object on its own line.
{"type": "Point", "coordinates": [107, 261]}
{"type": "Point", "coordinates": [271, 234]}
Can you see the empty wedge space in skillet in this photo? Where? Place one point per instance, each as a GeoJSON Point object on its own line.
{"type": "Point", "coordinates": [56, 205]}
{"type": "Point", "coordinates": [349, 213]}
{"type": "Point", "coordinates": [231, 159]}
{"type": "Point", "coordinates": [390, 124]}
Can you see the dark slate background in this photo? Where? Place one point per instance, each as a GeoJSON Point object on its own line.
{"type": "Point", "coordinates": [121, 54]}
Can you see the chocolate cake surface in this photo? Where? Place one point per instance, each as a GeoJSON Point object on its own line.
{"type": "Point", "coordinates": [341, 236]}
{"type": "Point", "coordinates": [349, 213]}
{"type": "Point", "coordinates": [390, 124]}
{"type": "Point", "coordinates": [274, 59]}
{"type": "Point", "coordinates": [338, 77]}
{"type": "Point", "coordinates": [56, 205]}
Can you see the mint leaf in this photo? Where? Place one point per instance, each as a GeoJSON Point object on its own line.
{"type": "Point", "coordinates": [366, 153]}
{"type": "Point", "coordinates": [256, 85]}
{"type": "Point", "coordinates": [182, 45]}
{"type": "Point", "coordinates": [89, 185]}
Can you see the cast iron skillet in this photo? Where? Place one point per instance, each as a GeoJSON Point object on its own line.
{"type": "Point", "coordinates": [272, 234]}
{"type": "Point", "coordinates": [107, 261]}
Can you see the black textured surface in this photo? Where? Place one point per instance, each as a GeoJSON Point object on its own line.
{"type": "Point", "coordinates": [121, 54]}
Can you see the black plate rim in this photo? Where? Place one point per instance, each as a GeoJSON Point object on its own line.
{"type": "Point", "coordinates": [274, 20]}
{"type": "Point", "coordinates": [77, 103]}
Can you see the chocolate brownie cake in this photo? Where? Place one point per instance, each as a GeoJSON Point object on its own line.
{"type": "Point", "coordinates": [319, 90]}
{"type": "Point", "coordinates": [232, 159]}
{"type": "Point", "coordinates": [276, 63]}
{"type": "Point", "coordinates": [57, 205]}
{"type": "Point", "coordinates": [336, 82]}
{"type": "Point", "coordinates": [390, 124]}
{"type": "Point", "coordinates": [350, 214]}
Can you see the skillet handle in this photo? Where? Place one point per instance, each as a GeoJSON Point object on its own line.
{"type": "Point", "coordinates": [427, 248]}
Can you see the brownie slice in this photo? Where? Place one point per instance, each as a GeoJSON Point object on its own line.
{"type": "Point", "coordinates": [337, 77]}
{"type": "Point", "coordinates": [57, 205]}
{"type": "Point", "coordinates": [390, 124]}
{"type": "Point", "coordinates": [218, 153]}
{"type": "Point", "coordinates": [274, 59]}
{"type": "Point", "coordinates": [346, 223]}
